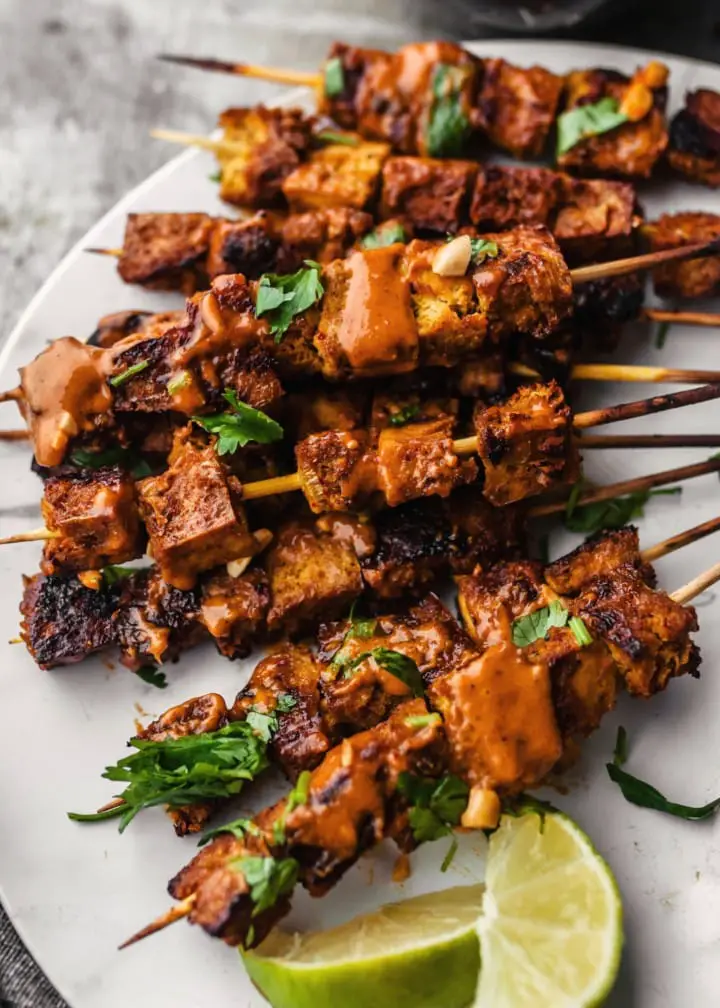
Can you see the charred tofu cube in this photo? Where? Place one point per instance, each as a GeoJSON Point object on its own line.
{"type": "Point", "coordinates": [285, 686]}
{"type": "Point", "coordinates": [526, 444]}
{"type": "Point", "coordinates": [337, 175]}
{"type": "Point", "coordinates": [482, 534]}
{"type": "Point", "coordinates": [595, 219]}
{"type": "Point", "coordinates": [647, 633]}
{"type": "Point", "coordinates": [336, 471]}
{"type": "Point", "coordinates": [250, 247]}
{"type": "Point", "coordinates": [449, 326]}
{"type": "Point", "coordinates": [233, 610]}
{"type": "Point", "coordinates": [254, 378]}
{"type": "Point", "coordinates": [166, 251]}
{"type": "Point", "coordinates": [527, 288]}
{"type": "Point", "coordinates": [94, 515]}
{"type": "Point", "coordinates": [323, 235]}
{"type": "Point", "coordinates": [694, 148]}
{"type": "Point", "coordinates": [603, 307]}
{"type": "Point", "coordinates": [312, 576]}
{"type": "Point", "coordinates": [324, 409]}
{"type": "Point", "coordinates": [367, 327]}
{"type": "Point", "coordinates": [431, 193]}
{"type": "Point", "coordinates": [193, 515]}
{"type": "Point", "coordinates": [505, 197]}
{"type": "Point", "coordinates": [598, 557]}
{"type": "Point", "coordinates": [489, 601]}
{"type": "Point", "coordinates": [345, 72]}
{"type": "Point", "coordinates": [518, 106]}
{"type": "Point", "coordinates": [418, 460]}
{"type": "Point", "coordinates": [632, 149]}
{"type": "Point", "coordinates": [694, 278]}
{"type": "Point", "coordinates": [154, 621]}
{"type": "Point", "coordinates": [264, 145]}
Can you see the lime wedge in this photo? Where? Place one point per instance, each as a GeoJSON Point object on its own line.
{"type": "Point", "coordinates": [551, 930]}
{"type": "Point", "coordinates": [421, 953]}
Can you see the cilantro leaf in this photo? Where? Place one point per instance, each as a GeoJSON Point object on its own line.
{"type": "Point", "coordinates": [404, 415]}
{"type": "Point", "coordinates": [238, 827]}
{"type": "Point", "coordinates": [153, 676]}
{"type": "Point", "coordinates": [639, 792]}
{"type": "Point", "coordinates": [620, 753]}
{"type": "Point", "coordinates": [179, 381]}
{"type": "Point", "coordinates": [115, 456]}
{"type": "Point", "coordinates": [285, 703]}
{"type": "Point", "coordinates": [300, 793]}
{"type": "Point", "coordinates": [435, 806]}
{"type": "Point", "coordinates": [589, 120]}
{"type": "Point", "coordinates": [237, 428]}
{"type": "Point", "coordinates": [262, 723]}
{"type": "Point", "coordinates": [448, 126]}
{"type": "Point", "coordinates": [482, 250]}
{"type": "Point", "coordinates": [661, 334]}
{"type": "Point", "coordinates": [609, 514]}
{"type": "Point", "coordinates": [215, 176]}
{"type": "Point", "coordinates": [268, 879]}
{"type": "Point", "coordinates": [330, 137]}
{"type": "Point", "coordinates": [334, 77]}
{"type": "Point", "coordinates": [422, 720]}
{"type": "Point", "coordinates": [394, 662]}
{"type": "Point", "coordinates": [283, 296]}
{"type": "Point", "coordinates": [384, 235]}
{"type": "Point", "coordinates": [128, 373]}
{"type": "Point", "coordinates": [536, 625]}
{"type": "Point", "coordinates": [113, 574]}
{"type": "Point", "coordinates": [582, 634]}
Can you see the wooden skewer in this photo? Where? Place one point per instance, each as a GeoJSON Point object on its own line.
{"type": "Point", "coordinates": [12, 395]}
{"type": "Point", "coordinates": [697, 586]}
{"type": "Point", "coordinates": [175, 913]}
{"type": "Point", "coordinates": [14, 435]}
{"type": "Point", "coordinates": [649, 260]}
{"type": "Point", "coordinates": [682, 317]}
{"type": "Point", "coordinates": [594, 441]}
{"type": "Point", "coordinates": [277, 74]}
{"type": "Point", "coordinates": [116, 252]}
{"type": "Point", "coordinates": [34, 535]}
{"type": "Point", "coordinates": [677, 542]}
{"type": "Point", "coordinates": [196, 140]}
{"type": "Point", "coordinates": [624, 373]}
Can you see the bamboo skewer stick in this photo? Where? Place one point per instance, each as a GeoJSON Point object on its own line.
{"type": "Point", "coordinates": [34, 535]}
{"type": "Point", "coordinates": [646, 407]}
{"type": "Point", "coordinates": [116, 252]}
{"type": "Point", "coordinates": [649, 260]}
{"type": "Point", "coordinates": [175, 913]}
{"type": "Point", "coordinates": [277, 74]}
{"type": "Point", "coordinates": [697, 586]}
{"type": "Point", "coordinates": [677, 542]}
{"type": "Point", "coordinates": [594, 441]}
{"type": "Point", "coordinates": [682, 317]}
{"type": "Point", "coordinates": [14, 435]}
{"type": "Point", "coordinates": [624, 373]}
{"type": "Point", "coordinates": [12, 395]}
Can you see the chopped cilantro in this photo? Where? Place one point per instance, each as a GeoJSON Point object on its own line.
{"type": "Point", "coordinates": [128, 373]}
{"type": "Point", "coordinates": [589, 120]}
{"type": "Point", "coordinates": [237, 428]}
{"type": "Point", "coordinates": [283, 296]}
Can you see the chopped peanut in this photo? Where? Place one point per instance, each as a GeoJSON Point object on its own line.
{"type": "Point", "coordinates": [483, 809]}
{"type": "Point", "coordinates": [453, 259]}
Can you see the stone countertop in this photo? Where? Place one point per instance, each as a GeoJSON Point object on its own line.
{"type": "Point", "coordinates": [82, 90]}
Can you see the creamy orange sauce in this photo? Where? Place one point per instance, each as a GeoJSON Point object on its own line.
{"type": "Point", "coordinates": [500, 720]}
{"type": "Point", "coordinates": [64, 388]}
{"type": "Point", "coordinates": [350, 531]}
{"type": "Point", "coordinates": [377, 329]}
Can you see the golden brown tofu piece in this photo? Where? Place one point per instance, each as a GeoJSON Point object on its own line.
{"type": "Point", "coordinates": [505, 197]}
{"type": "Point", "coordinates": [526, 444]}
{"type": "Point", "coordinates": [336, 470]}
{"type": "Point", "coordinates": [285, 685]}
{"type": "Point", "coordinates": [518, 106]}
{"type": "Point", "coordinates": [323, 235]}
{"type": "Point", "coordinates": [595, 218]}
{"type": "Point", "coordinates": [342, 105]}
{"type": "Point", "coordinates": [312, 576]}
{"type": "Point", "coordinates": [490, 601]}
{"type": "Point", "coordinates": [632, 149]}
{"type": "Point", "coordinates": [367, 327]}
{"type": "Point", "coordinates": [432, 193]}
{"type": "Point", "coordinates": [95, 517]}
{"type": "Point", "coordinates": [264, 146]}
{"type": "Point", "coordinates": [166, 251]}
{"type": "Point", "coordinates": [449, 326]}
{"type": "Point", "coordinates": [418, 460]}
{"type": "Point", "coordinates": [527, 288]}
{"type": "Point", "coordinates": [254, 378]}
{"type": "Point", "coordinates": [337, 175]}
{"type": "Point", "coordinates": [233, 610]}
{"type": "Point", "coordinates": [646, 632]}
{"type": "Point", "coordinates": [323, 408]}
{"type": "Point", "coordinates": [694, 278]}
{"type": "Point", "coordinates": [598, 557]}
{"type": "Point", "coordinates": [193, 514]}
{"type": "Point", "coordinates": [694, 148]}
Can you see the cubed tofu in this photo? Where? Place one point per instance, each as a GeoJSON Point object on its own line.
{"type": "Point", "coordinates": [694, 148]}
{"type": "Point", "coordinates": [250, 247]}
{"type": "Point", "coordinates": [264, 145]}
{"type": "Point", "coordinates": [313, 576]}
{"type": "Point", "coordinates": [166, 251]}
{"type": "Point", "coordinates": [449, 326]}
{"type": "Point", "coordinates": [337, 175]}
{"type": "Point", "coordinates": [504, 197]}
{"type": "Point", "coordinates": [598, 557]}
{"type": "Point", "coordinates": [431, 193]}
{"type": "Point", "coordinates": [154, 621]}
{"type": "Point", "coordinates": [323, 408]}
{"type": "Point", "coordinates": [601, 308]}
{"type": "Point", "coordinates": [367, 327]}
{"type": "Point", "coordinates": [233, 610]}
{"type": "Point", "coordinates": [595, 219]}
{"type": "Point", "coordinates": [526, 444]}
{"type": "Point", "coordinates": [630, 150]}
{"type": "Point", "coordinates": [336, 471]}
{"type": "Point", "coordinates": [419, 459]}
{"type": "Point", "coordinates": [482, 534]}
{"type": "Point", "coordinates": [193, 515]}
{"type": "Point", "coordinates": [342, 105]}
{"type": "Point", "coordinates": [490, 601]}
{"type": "Point", "coordinates": [323, 235]}
{"type": "Point", "coordinates": [694, 278]}
{"type": "Point", "coordinates": [518, 106]}
{"type": "Point", "coordinates": [94, 516]}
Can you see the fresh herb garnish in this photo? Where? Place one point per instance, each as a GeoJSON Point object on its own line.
{"type": "Point", "coordinates": [153, 676]}
{"type": "Point", "coordinates": [661, 335]}
{"type": "Point", "coordinates": [620, 753]}
{"type": "Point", "coordinates": [334, 77]}
{"type": "Point", "coordinates": [282, 296]}
{"type": "Point", "coordinates": [582, 634]}
{"type": "Point", "coordinates": [178, 382]}
{"type": "Point", "coordinates": [383, 236]}
{"type": "Point", "coordinates": [641, 793]}
{"type": "Point", "coordinates": [589, 120]}
{"type": "Point", "coordinates": [435, 807]}
{"type": "Point", "coordinates": [112, 574]}
{"type": "Point", "coordinates": [524, 804]}
{"type": "Point", "coordinates": [536, 625]}
{"type": "Point", "coordinates": [215, 176]}
{"type": "Point", "coordinates": [397, 664]}
{"type": "Point", "coordinates": [359, 629]}
{"type": "Point", "coordinates": [285, 703]}
{"type": "Point", "coordinates": [448, 126]}
{"type": "Point", "coordinates": [330, 137]}
{"type": "Point", "coordinates": [609, 514]}
{"type": "Point", "coordinates": [266, 723]}
{"type": "Point", "coordinates": [123, 457]}
{"type": "Point", "coordinates": [482, 250]}
{"type": "Point", "coordinates": [422, 720]}
{"type": "Point", "coordinates": [128, 373]}
{"type": "Point", "coordinates": [236, 429]}
{"type": "Point", "coordinates": [268, 879]}
{"type": "Point", "coordinates": [404, 415]}
{"type": "Point", "coordinates": [238, 827]}
{"type": "Point", "coordinates": [180, 771]}
{"type": "Point", "coordinates": [300, 793]}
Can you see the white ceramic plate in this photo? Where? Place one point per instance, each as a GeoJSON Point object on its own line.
{"type": "Point", "coordinates": [75, 891]}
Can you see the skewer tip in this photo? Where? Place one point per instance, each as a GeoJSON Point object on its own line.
{"type": "Point", "coordinates": [175, 913]}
